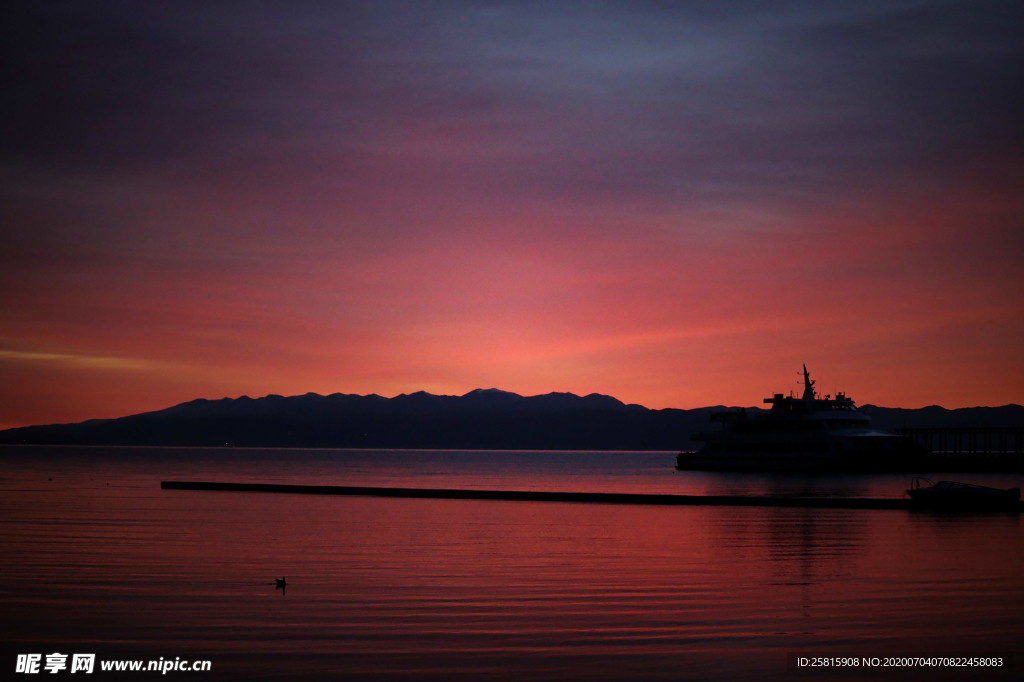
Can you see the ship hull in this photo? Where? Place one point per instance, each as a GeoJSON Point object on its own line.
{"type": "Point", "coordinates": [875, 454]}
{"type": "Point", "coordinates": [853, 463]}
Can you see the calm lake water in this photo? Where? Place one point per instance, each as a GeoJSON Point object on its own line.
{"type": "Point", "coordinates": [97, 558]}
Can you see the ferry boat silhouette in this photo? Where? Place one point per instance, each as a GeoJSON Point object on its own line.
{"type": "Point", "coordinates": [809, 433]}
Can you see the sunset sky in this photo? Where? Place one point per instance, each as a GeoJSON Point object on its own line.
{"type": "Point", "coordinates": [673, 203]}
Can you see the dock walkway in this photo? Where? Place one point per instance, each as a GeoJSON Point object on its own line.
{"type": "Point", "coordinates": [542, 496]}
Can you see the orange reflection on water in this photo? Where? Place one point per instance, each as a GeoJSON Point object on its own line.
{"type": "Point", "coordinates": [405, 588]}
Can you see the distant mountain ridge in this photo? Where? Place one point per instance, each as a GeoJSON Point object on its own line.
{"type": "Point", "coordinates": [935, 416]}
{"type": "Point", "coordinates": [480, 419]}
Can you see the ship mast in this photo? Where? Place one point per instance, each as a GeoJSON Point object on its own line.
{"type": "Point", "coordinates": [808, 385]}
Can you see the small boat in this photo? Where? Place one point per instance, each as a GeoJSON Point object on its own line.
{"type": "Point", "coordinates": [954, 495]}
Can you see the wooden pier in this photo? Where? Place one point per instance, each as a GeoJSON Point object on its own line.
{"type": "Point", "coordinates": [992, 441]}
{"type": "Point", "coordinates": [544, 496]}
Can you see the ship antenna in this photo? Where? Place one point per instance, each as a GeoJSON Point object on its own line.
{"type": "Point", "coordinates": [808, 385]}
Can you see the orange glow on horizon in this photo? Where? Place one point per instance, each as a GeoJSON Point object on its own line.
{"type": "Point", "coordinates": [665, 321]}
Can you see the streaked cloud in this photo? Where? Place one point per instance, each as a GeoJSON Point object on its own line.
{"type": "Point", "coordinates": [83, 361]}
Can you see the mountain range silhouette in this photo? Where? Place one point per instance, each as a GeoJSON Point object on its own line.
{"type": "Point", "coordinates": [481, 419]}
